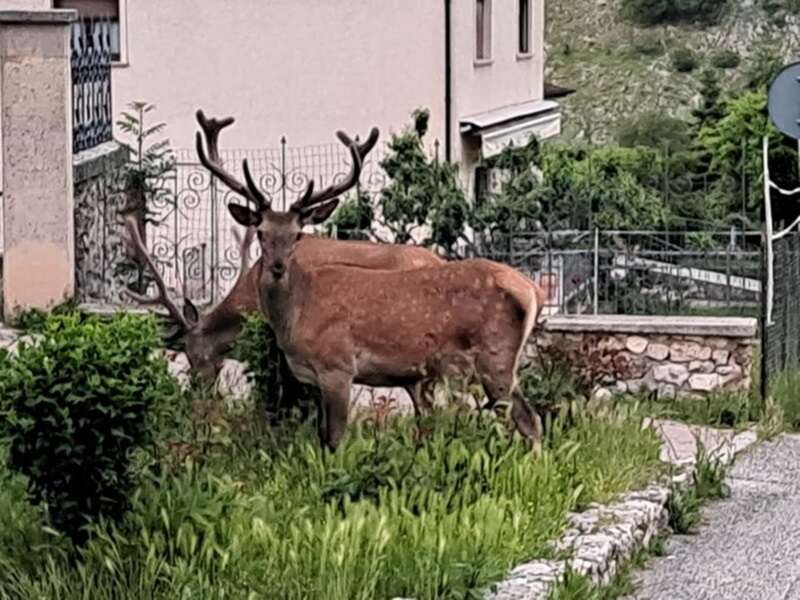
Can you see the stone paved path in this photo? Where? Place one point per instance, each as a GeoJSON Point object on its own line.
{"type": "Point", "coordinates": [749, 546]}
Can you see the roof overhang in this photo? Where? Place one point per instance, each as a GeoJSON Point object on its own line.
{"type": "Point", "coordinates": [513, 124]}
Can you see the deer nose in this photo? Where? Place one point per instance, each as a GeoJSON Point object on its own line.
{"type": "Point", "coordinates": [278, 269]}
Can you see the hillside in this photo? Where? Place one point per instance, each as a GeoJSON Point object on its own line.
{"type": "Point", "coordinates": [619, 69]}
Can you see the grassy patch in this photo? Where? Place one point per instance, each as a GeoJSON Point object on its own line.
{"type": "Point", "coordinates": [438, 510]}
{"type": "Point", "coordinates": [708, 483]}
{"type": "Point", "coordinates": [723, 409]}
{"type": "Point", "coordinates": [785, 391]}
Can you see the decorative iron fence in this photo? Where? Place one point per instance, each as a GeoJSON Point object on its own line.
{"type": "Point", "coordinates": [189, 232]}
{"type": "Point", "coordinates": [91, 54]}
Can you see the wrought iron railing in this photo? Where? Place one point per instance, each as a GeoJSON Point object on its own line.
{"type": "Point", "coordinates": [91, 54]}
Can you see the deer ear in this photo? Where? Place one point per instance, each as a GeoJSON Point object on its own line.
{"type": "Point", "coordinates": [244, 216]}
{"type": "Point", "coordinates": [190, 312]}
{"type": "Point", "coordinates": [320, 213]}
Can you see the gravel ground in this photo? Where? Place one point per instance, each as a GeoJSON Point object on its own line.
{"type": "Point", "coordinates": [749, 545]}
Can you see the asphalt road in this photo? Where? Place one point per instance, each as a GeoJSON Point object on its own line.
{"type": "Point", "coordinates": [749, 545]}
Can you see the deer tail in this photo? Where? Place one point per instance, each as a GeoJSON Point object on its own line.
{"type": "Point", "coordinates": [530, 298]}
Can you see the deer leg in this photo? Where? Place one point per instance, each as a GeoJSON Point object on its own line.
{"type": "Point", "coordinates": [527, 420]}
{"type": "Point", "coordinates": [335, 387]}
{"type": "Point", "coordinates": [420, 397]}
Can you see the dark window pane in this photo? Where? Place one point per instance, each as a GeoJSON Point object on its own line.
{"type": "Point", "coordinates": [524, 27]}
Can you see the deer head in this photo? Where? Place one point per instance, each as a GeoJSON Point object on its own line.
{"type": "Point", "coordinates": [278, 231]}
{"type": "Point", "coordinates": [208, 337]}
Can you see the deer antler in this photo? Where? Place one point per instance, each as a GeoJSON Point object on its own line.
{"type": "Point", "coordinates": [358, 153]}
{"type": "Point", "coordinates": [134, 239]}
{"type": "Point", "coordinates": [211, 161]}
{"type": "Point", "coordinates": [244, 251]}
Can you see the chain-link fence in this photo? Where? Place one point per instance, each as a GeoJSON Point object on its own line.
{"type": "Point", "coordinates": [780, 338]}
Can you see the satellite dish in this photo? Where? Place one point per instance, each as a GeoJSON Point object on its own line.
{"type": "Point", "coordinates": [784, 100]}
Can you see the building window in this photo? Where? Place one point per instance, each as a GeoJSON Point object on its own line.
{"type": "Point", "coordinates": [524, 26]}
{"type": "Point", "coordinates": [111, 11]}
{"type": "Point", "coordinates": [483, 30]}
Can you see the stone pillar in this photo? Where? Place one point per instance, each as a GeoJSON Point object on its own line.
{"type": "Point", "coordinates": [35, 97]}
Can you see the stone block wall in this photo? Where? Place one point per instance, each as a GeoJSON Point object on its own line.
{"type": "Point", "coordinates": [667, 356]}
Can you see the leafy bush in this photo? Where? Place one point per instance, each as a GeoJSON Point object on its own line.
{"type": "Point", "coordinates": [77, 405]}
{"type": "Point", "coordinates": [654, 130]}
{"type": "Point", "coordinates": [353, 219]}
{"type": "Point", "coordinates": [278, 393]}
{"type": "Point", "coordinates": [725, 59]}
{"type": "Point", "coordinates": [683, 60]}
{"type": "Point", "coordinates": [654, 12]}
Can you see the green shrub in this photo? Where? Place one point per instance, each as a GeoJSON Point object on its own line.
{"type": "Point", "coordinates": [77, 405]}
{"type": "Point", "coordinates": [654, 130]}
{"type": "Point", "coordinates": [654, 12]}
{"type": "Point", "coordinates": [34, 319]}
{"type": "Point", "coordinates": [422, 191]}
{"type": "Point", "coordinates": [725, 59]}
{"type": "Point", "coordinates": [277, 393]}
{"type": "Point", "coordinates": [353, 219]}
{"type": "Point", "coordinates": [683, 60]}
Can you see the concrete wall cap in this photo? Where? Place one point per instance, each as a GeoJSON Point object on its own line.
{"type": "Point", "coordinates": [44, 17]}
{"type": "Point", "coordinates": [732, 327]}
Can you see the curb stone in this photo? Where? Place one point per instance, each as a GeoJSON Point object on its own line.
{"type": "Point", "coordinates": [604, 537]}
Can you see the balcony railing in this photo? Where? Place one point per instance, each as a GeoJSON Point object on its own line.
{"type": "Point", "coordinates": [91, 55]}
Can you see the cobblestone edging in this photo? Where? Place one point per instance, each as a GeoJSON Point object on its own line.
{"type": "Point", "coordinates": [603, 538]}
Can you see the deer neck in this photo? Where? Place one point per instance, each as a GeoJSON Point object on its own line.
{"type": "Point", "coordinates": [281, 302]}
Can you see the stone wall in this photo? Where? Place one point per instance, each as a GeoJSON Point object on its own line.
{"type": "Point", "coordinates": [667, 356]}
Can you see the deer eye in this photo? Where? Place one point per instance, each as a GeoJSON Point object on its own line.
{"type": "Point", "coordinates": [299, 235]}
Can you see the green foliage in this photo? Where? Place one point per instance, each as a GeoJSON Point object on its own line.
{"type": "Point", "coordinates": [711, 108]}
{"type": "Point", "coordinates": [438, 511]}
{"type": "Point", "coordinates": [683, 60]}
{"type": "Point", "coordinates": [577, 187]}
{"type": "Point", "coordinates": [422, 191]}
{"type": "Point", "coordinates": [725, 59]}
{"type": "Point", "coordinates": [77, 405]}
{"type": "Point", "coordinates": [734, 145]}
{"type": "Point", "coordinates": [141, 178]}
{"type": "Point", "coordinates": [353, 219]}
{"type": "Point", "coordinates": [278, 395]}
{"type": "Point", "coordinates": [654, 12]}
{"type": "Point", "coordinates": [762, 68]}
{"type": "Point", "coordinates": [654, 130]}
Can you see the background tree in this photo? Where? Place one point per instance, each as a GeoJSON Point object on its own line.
{"type": "Point", "coordinates": [424, 195]}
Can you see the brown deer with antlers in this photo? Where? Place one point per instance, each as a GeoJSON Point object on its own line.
{"type": "Point", "coordinates": [341, 324]}
{"type": "Point", "coordinates": [210, 337]}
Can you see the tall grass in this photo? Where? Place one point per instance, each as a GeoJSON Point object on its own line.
{"type": "Point", "coordinates": [438, 510]}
